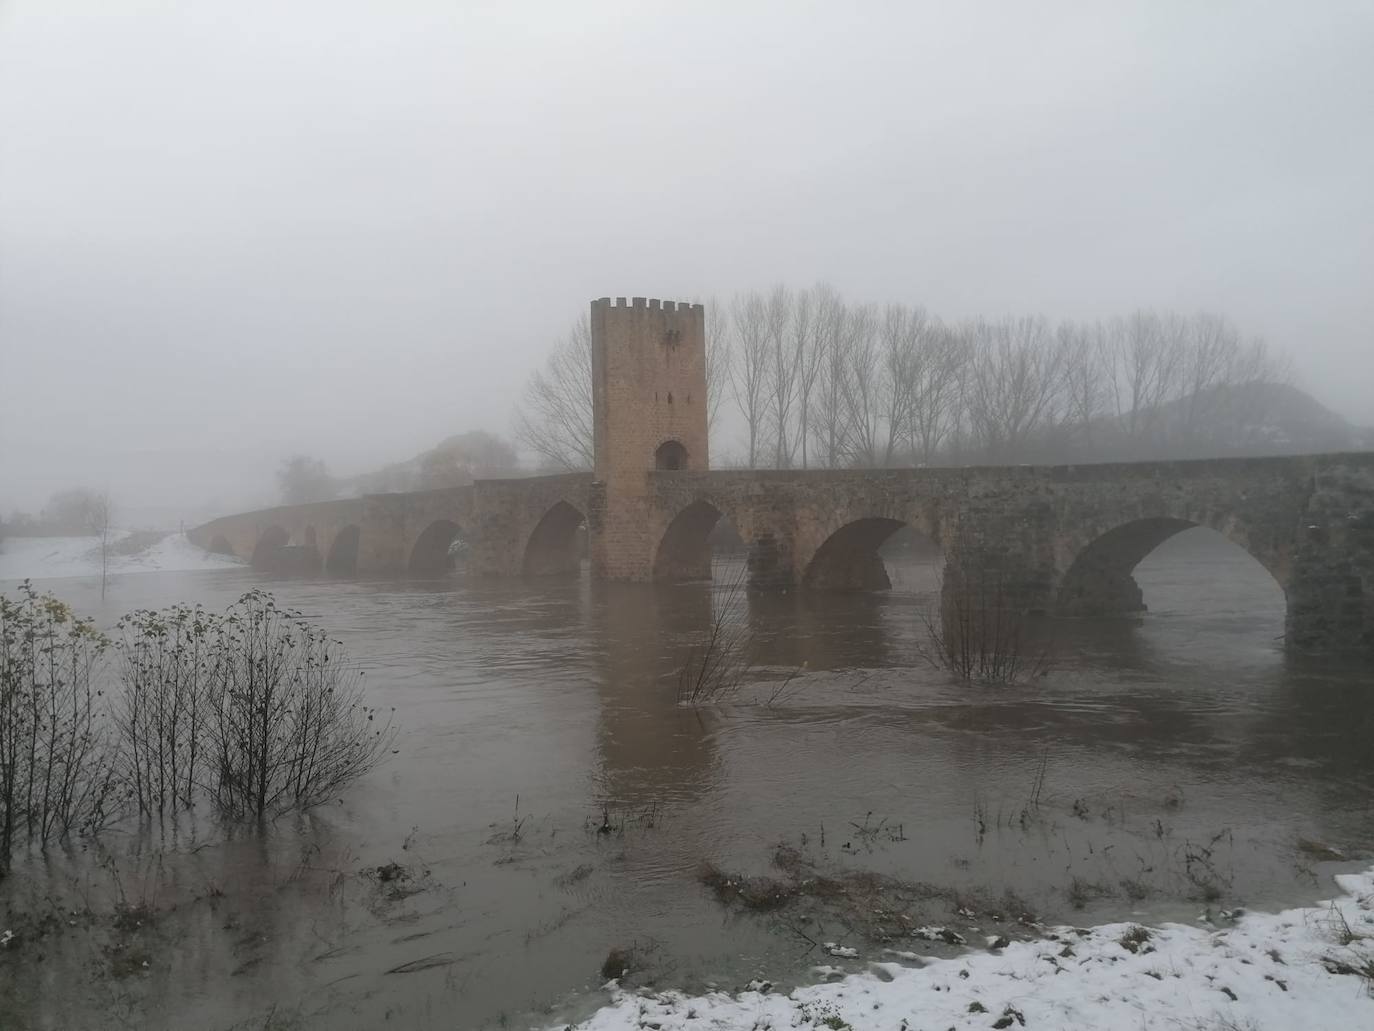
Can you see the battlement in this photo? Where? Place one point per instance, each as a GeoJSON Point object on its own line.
{"type": "Point", "coordinates": [649, 304]}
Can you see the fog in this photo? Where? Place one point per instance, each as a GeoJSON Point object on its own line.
{"type": "Point", "coordinates": [230, 232]}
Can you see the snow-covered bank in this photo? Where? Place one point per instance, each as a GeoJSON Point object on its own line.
{"type": "Point", "coordinates": [1267, 972]}
{"type": "Point", "coordinates": [48, 558]}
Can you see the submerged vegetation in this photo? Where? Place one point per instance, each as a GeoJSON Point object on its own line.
{"type": "Point", "coordinates": [56, 774]}
{"type": "Point", "coordinates": [979, 631]}
{"type": "Point", "coordinates": [719, 662]}
{"type": "Point", "coordinates": [252, 712]}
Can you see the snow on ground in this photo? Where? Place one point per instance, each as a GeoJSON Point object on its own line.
{"type": "Point", "coordinates": [47, 558]}
{"type": "Point", "coordinates": [1267, 972]}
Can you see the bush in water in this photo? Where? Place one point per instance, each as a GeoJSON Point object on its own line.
{"type": "Point", "coordinates": [56, 777]}
{"type": "Point", "coordinates": [288, 724]}
{"type": "Point", "coordinates": [254, 710]}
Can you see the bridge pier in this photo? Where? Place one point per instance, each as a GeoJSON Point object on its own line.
{"type": "Point", "coordinates": [1100, 589]}
{"type": "Point", "coordinates": [1331, 587]}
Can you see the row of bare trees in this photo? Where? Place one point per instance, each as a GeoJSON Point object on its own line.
{"type": "Point", "coordinates": [818, 381]}
{"type": "Point", "coordinates": [813, 380]}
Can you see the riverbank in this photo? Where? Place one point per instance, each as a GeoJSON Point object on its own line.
{"type": "Point", "coordinates": [139, 551]}
{"type": "Point", "coordinates": [1310, 968]}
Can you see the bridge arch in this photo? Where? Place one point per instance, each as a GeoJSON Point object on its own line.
{"type": "Point", "coordinates": [554, 546]}
{"type": "Point", "coordinates": [684, 551]}
{"type": "Point", "coordinates": [431, 554]}
{"type": "Point", "coordinates": [220, 545]}
{"type": "Point", "coordinates": [1100, 580]}
{"type": "Point", "coordinates": [267, 550]}
{"type": "Point", "coordinates": [342, 559]}
{"type": "Point", "coordinates": [849, 558]}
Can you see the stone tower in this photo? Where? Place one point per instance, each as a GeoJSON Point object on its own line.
{"type": "Point", "coordinates": [648, 413]}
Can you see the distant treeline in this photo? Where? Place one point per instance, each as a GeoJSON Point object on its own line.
{"type": "Point", "coordinates": [78, 512]}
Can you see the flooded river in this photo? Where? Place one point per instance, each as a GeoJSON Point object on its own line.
{"type": "Point", "coordinates": [550, 800]}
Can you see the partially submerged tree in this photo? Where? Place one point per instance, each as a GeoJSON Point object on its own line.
{"type": "Point", "coordinates": [288, 725]}
{"type": "Point", "coordinates": [57, 777]}
{"type": "Point", "coordinates": [102, 516]}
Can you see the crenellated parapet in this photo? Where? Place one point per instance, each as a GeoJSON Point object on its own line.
{"type": "Point", "coordinates": [651, 304]}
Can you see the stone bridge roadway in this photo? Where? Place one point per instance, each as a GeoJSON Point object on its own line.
{"type": "Point", "coordinates": [1066, 537]}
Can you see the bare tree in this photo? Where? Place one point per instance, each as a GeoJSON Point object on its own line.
{"type": "Point", "coordinates": [1085, 386]}
{"type": "Point", "coordinates": [1014, 385]}
{"type": "Point", "coordinates": [555, 420]}
{"type": "Point", "coordinates": [749, 365]}
{"type": "Point", "coordinates": [74, 512]}
{"type": "Point", "coordinates": [717, 359]}
{"type": "Point", "coordinates": [1145, 355]}
{"type": "Point", "coordinates": [101, 514]}
{"type": "Point", "coordinates": [862, 388]}
{"type": "Point", "coordinates": [938, 388]}
{"type": "Point", "coordinates": [808, 322]}
{"type": "Point", "coordinates": [908, 341]}
{"type": "Point", "coordinates": [783, 370]}
{"type": "Point", "coordinates": [826, 416]}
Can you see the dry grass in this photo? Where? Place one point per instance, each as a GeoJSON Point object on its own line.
{"type": "Point", "coordinates": [1135, 938]}
{"type": "Point", "coordinates": [756, 894]}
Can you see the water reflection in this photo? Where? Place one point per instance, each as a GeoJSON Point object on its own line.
{"type": "Point", "coordinates": [651, 750]}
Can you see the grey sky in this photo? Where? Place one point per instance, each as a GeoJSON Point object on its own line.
{"type": "Point", "coordinates": [234, 230]}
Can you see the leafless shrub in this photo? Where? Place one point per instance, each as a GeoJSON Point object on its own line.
{"type": "Point", "coordinates": [719, 663]}
{"type": "Point", "coordinates": [255, 709]}
{"type": "Point", "coordinates": [1082, 891]}
{"type": "Point", "coordinates": [169, 664]}
{"type": "Point", "coordinates": [288, 726]}
{"type": "Point", "coordinates": [979, 632]}
{"type": "Point", "coordinates": [56, 778]}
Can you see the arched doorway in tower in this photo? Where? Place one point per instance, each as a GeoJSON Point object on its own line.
{"type": "Point", "coordinates": [557, 543]}
{"type": "Point", "coordinates": [671, 456]}
{"type": "Point", "coordinates": [875, 553]}
{"type": "Point", "coordinates": [1186, 576]}
{"type": "Point", "coordinates": [438, 550]}
{"type": "Point", "coordinates": [701, 543]}
{"type": "Point", "coordinates": [343, 552]}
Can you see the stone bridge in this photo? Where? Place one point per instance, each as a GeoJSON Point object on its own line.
{"type": "Point", "coordinates": [1061, 540]}
{"type": "Point", "coordinates": [1065, 537]}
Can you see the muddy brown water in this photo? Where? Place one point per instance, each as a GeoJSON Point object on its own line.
{"type": "Point", "coordinates": [550, 800]}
